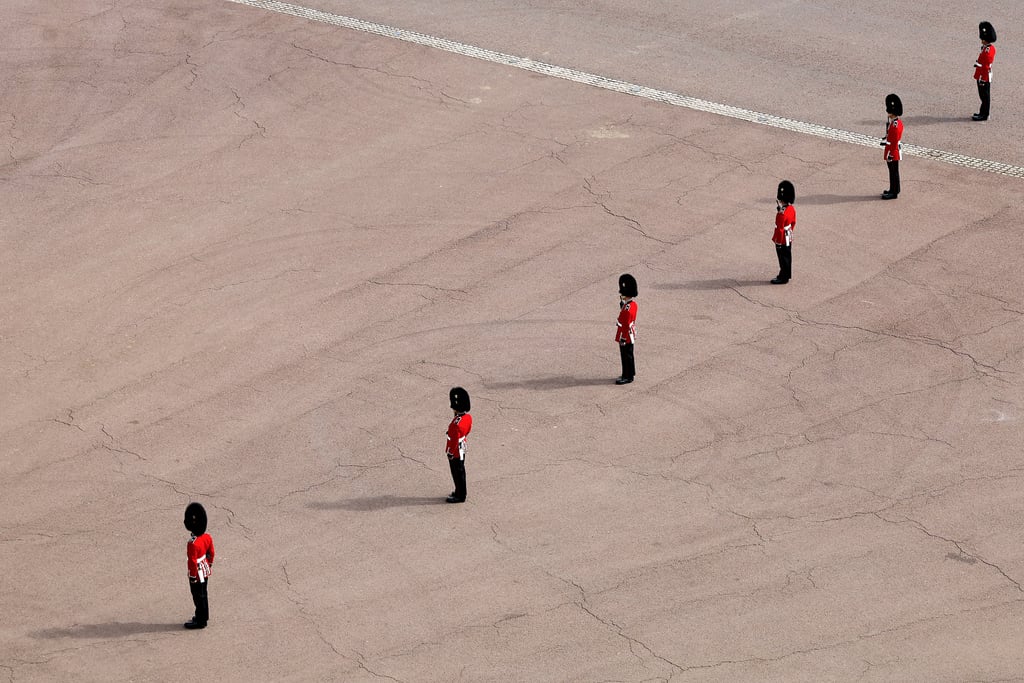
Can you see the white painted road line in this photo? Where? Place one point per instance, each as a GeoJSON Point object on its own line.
{"type": "Point", "coordinates": [624, 87]}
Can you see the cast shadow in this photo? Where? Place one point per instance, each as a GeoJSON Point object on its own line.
{"type": "Point", "coordinates": [548, 383]}
{"type": "Point", "coordinates": [372, 503]}
{"type": "Point", "coordinates": [114, 629]}
{"type": "Point", "coordinates": [827, 199]}
{"type": "Point", "coordinates": [918, 121]}
{"type": "Point", "coordinates": [724, 283]}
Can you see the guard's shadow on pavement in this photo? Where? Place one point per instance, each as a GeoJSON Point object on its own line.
{"type": "Point", "coordinates": [113, 629]}
{"type": "Point", "coordinates": [828, 199]}
{"type": "Point", "coordinates": [546, 383]}
{"type": "Point", "coordinates": [722, 283]}
{"type": "Point", "coordinates": [918, 121]}
{"type": "Point", "coordinates": [372, 503]}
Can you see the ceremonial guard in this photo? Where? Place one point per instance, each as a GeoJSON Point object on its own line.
{"type": "Point", "coordinates": [455, 448]}
{"type": "Point", "coordinates": [200, 561]}
{"type": "Point", "coordinates": [625, 327]}
{"type": "Point", "coordinates": [891, 143]}
{"type": "Point", "coordinates": [983, 68]}
{"type": "Point", "coordinates": [785, 221]}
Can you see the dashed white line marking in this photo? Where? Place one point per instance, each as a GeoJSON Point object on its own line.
{"type": "Point", "coordinates": [627, 88]}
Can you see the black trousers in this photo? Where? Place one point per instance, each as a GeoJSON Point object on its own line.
{"type": "Point", "coordinates": [201, 599]}
{"type": "Point", "coordinates": [894, 176]}
{"type": "Point", "coordinates": [985, 93]}
{"type": "Point", "coordinates": [785, 254]}
{"type": "Point", "coordinates": [458, 468]}
{"type": "Point", "coordinates": [628, 363]}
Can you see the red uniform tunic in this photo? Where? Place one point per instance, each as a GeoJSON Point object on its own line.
{"type": "Point", "coordinates": [625, 326]}
{"type": "Point", "coordinates": [893, 135]}
{"type": "Point", "coordinates": [785, 221]}
{"type": "Point", "coordinates": [983, 67]}
{"type": "Point", "coordinates": [458, 430]}
{"type": "Point", "coordinates": [200, 557]}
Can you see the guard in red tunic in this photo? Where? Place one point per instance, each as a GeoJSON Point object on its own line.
{"type": "Point", "coordinates": [625, 327]}
{"type": "Point", "coordinates": [891, 143]}
{"type": "Point", "coordinates": [983, 68]}
{"type": "Point", "coordinates": [200, 561]}
{"type": "Point", "coordinates": [785, 221]}
{"type": "Point", "coordinates": [455, 448]}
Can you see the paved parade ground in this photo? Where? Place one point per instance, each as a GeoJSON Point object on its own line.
{"type": "Point", "coordinates": [247, 248]}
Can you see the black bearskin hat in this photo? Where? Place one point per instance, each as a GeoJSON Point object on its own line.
{"type": "Point", "coordinates": [787, 193]}
{"type": "Point", "coordinates": [195, 519]}
{"type": "Point", "coordinates": [893, 104]}
{"type": "Point", "coordinates": [459, 399]}
{"type": "Point", "coordinates": [627, 285]}
{"type": "Point", "coordinates": [986, 32]}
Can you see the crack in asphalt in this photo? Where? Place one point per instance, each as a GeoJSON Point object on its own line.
{"type": "Point", "coordinates": [361, 662]}
{"type": "Point", "coordinates": [632, 223]}
{"type": "Point", "coordinates": [423, 83]}
{"type": "Point", "coordinates": [232, 521]}
{"type": "Point", "coordinates": [292, 595]}
{"type": "Point", "coordinates": [70, 422]}
{"type": "Point", "coordinates": [849, 641]}
{"type": "Point", "coordinates": [448, 290]}
{"type": "Point", "coordinates": [959, 545]}
{"type": "Point", "coordinates": [193, 69]}
{"type": "Point", "coordinates": [984, 368]}
{"type": "Point", "coordinates": [115, 448]}
{"type": "Point", "coordinates": [620, 631]}
{"type": "Point", "coordinates": [60, 172]}
{"type": "Point", "coordinates": [237, 107]}
{"type": "Point", "coordinates": [242, 283]}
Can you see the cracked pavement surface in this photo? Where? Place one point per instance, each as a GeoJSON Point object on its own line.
{"type": "Point", "coordinates": [245, 256]}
